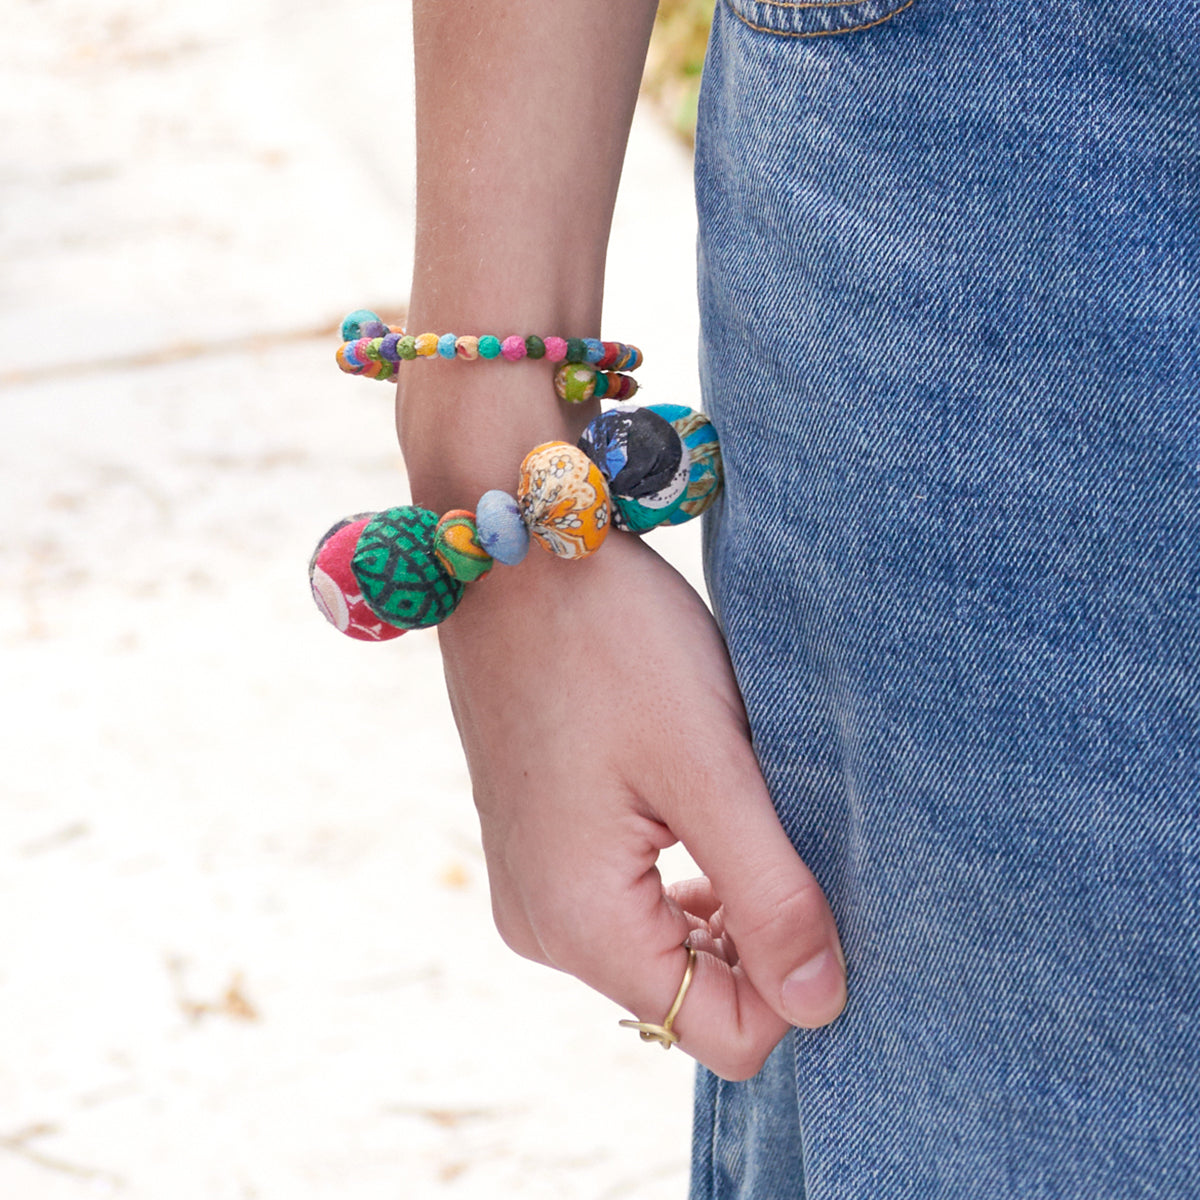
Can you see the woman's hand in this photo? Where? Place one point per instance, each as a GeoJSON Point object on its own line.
{"type": "Point", "coordinates": [602, 723]}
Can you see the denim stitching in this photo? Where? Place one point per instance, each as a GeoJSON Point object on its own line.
{"type": "Point", "coordinates": [819, 32]}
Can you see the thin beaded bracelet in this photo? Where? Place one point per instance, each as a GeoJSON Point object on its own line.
{"type": "Point", "coordinates": [371, 348]}
{"type": "Point", "coordinates": [376, 575]}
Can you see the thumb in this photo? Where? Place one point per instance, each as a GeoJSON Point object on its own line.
{"type": "Point", "coordinates": [770, 904]}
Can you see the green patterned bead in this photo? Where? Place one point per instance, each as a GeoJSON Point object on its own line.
{"type": "Point", "coordinates": [575, 382]}
{"type": "Point", "coordinates": [395, 565]}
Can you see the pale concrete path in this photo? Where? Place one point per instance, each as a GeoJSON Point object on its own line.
{"type": "Point", "coordinates": [245, 944]}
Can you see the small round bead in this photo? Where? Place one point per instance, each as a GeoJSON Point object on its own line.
{"type": "Point", "coordinates": [406, 347]}
{"type": "Point", "coordinates": [489, 346]}
{"type": "Point", "coordinates": [335, 589]}
{"type": "Point", "coordinates": [612, 351]}
{"type": "Point", "coordinates": [456, 544]}
{"type": "Point", "coordinates": [564, 500]}
{"type": "Point", "coordinates": [467, 347]}
{"type": "Point", "coordinates": [576, 350]}
{"type": "Point", "coordinates": [595, 350]}
{"type": "Point", "coordinates": [575, 382]}
{"type": "Point", "coordinates": [353, 323]}
{"type": "Point", "coordinates": [387, 348]}
{"type": "Point", "coordinates": [621, 387]}
{"type": "Point", "coordinates": [427, 344]}
{"type": "Point", "coordinates": [502, 533]}
{"type": "Point", "coordinates": [513, 348]}
{"type": "Point", "coordinates": [603, 383]}
{"type": "Point", "coordinates": [372, 329]}
{"type": "Point", "coordinates": [535, 347]}
{"type": "Point", "coordinates": [346, 360]}
{"type": "Point", "coordinates": [376, 369]}
{"type": "Point", "coordinates": [556, 349]}
{"type": "Point", "coordinates": [398, 572]}
{"type": "Point", "coordinates": [445, 346]}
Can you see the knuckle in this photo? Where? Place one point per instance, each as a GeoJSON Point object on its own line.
{"type": "Point", "coordinates": [780, 909]}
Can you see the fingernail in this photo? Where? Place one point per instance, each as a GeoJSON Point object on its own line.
{"type": "Point", "coordinates": [815, 992]}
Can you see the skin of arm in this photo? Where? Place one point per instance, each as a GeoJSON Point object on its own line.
{"type": "Point", "coordinates": [595, 699]}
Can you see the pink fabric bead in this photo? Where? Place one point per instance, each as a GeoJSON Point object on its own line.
{"type": "Point", "coordinates": [513, 348]}
{"type": "Point", "coordinates": [556, 349]}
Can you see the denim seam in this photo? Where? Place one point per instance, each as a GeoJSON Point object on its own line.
{"type": "Point", "coordinates": [808, 33]}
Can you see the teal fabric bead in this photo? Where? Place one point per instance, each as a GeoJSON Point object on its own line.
{"type": "Point", "coordinates": [707, 474]}
{"type": "Point", "coordinates": [576, 350]}
{"type": "Point", "coordinates": [353, 322]}
{"type": "Point", "coordinates": [502, 532]}
{"type": "Point", "coordinates": [489, 346]}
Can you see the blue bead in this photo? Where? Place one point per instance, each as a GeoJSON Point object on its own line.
{"type": "Point", "coordinates": [502, 533]}
{"type": "Point", "coordinates": [446, 345]}
{"type": "Point", "coordinates": [595, 349]}
{"type": "Point", "coordinates": [353, 323]}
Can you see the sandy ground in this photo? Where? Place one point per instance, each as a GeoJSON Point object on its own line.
{"type": "Point", "coordinates": [245, 943]}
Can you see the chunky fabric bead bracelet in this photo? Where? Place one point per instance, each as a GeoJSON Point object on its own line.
{"type": "Point", "coordinates": [377, 575]}
{"type": "Point", "coordinates": [371, 348]}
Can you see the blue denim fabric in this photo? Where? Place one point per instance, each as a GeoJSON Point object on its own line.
{"type": "Point", "coordinates": [950, 290]}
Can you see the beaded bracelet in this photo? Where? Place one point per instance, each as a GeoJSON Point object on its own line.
{"type": "Point", "coordinates": [589, 367]}
{"type": "Point", "coordinates": [377, 575]}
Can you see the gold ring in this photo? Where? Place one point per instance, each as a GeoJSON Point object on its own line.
{"type": "Point", "coordinates": [664, 1034]}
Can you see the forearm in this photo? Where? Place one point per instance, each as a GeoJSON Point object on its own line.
{"type": "Point", "coordinates": [523, 111]}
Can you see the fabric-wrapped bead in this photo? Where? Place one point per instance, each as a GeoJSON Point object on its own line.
{"type": "Point", "coordinates": [707, 473]}
{"type": "Point", "coordinates": [387, 348]}
{"type": "Point", "coordinates": [575, 382]}
{"type": "Point", "coordinates": [576, 350]}
{"type": "Point", "coordinates": [645, 462]}
{"type": "Point", "coordinates": [556, 349]}
{"type": "Point", "coordinates": [513, 348]}
{"type": "Point", "coordinates": [337, 592]}
{"type": "Point", "coordinates": [489, 346]}
{"type": "Point", "coordinates": [352, 323]}
{"type": "Point", "coordinates": [502, 533]}
{"type": "Point", "coordinates": [400, 576]}
{"type": "Point", "coordinates": [564, 500]}
{"type": "Point", "coordinates": [406, 347]}
{"type": "Point", "coordinates": [446, 347]}
{"type": "Point", "coordinates": [535, 347]}
{"type": "Point", "coordinates": [456, 544]}
{"type": "Point", "coordinates": [426, 344]}
{"type": "Point", "coordinates": [467, 347]}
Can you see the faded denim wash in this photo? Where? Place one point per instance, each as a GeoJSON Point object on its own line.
{"type": "Point", "coordinates": [950, 290]}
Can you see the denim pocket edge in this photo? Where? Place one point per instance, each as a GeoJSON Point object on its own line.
{"type": "Point", "coordinates": [815, 18]}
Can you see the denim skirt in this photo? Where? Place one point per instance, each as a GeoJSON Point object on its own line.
{"type": "Point", "coordinates": [950, 290]}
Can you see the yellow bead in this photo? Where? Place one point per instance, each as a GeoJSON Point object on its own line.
{"type": "Point", "coordinates": [427, 344]}
{"type": "Point", "coordinates": [564, 500]}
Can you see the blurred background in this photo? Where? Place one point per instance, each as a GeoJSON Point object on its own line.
{"type": "Point", "coordinates": [246, 948]}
